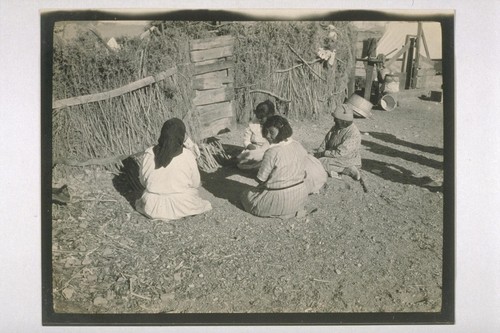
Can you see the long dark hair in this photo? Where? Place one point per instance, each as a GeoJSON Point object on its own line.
{"type": "Point", "coordinates": [170, 142]}
{"type": "Point", "coordinates": [264, 109]}
{"type": "Point", "coordinates": [281, 124]}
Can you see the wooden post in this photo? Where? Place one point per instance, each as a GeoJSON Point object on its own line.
{"type": "Point", "coordinates": [409, 64]}
{"type": "Point", "coordinates": [424, 41]}
{"type": "Point", "coordinates": [405, 54]}
{"type": "Point", "coordinates": [369, 80]}
{"type": "Point", "coordinates": [351, 85]}
{"type": "Point", "coordinates": [370, 66]}
{"type": "Point", "coordinates": [416, 63]}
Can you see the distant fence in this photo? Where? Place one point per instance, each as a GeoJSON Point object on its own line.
{"type": "Point", "coordinates": [115, 92]}
{"type": "Point", "coordinates": [105, 127]}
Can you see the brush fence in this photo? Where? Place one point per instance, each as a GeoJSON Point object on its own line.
{"type": "Point", "coordinates": [213, 77]}
{"type": "Point", "coordinates": [211, 103]}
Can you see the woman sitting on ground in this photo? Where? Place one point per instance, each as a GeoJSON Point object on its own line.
{"type": "Point", "coordinates": [255, 144]}
{"type": "Point", "coordinates": [339, 152]}
{"type": "Point", "coordinates": [281, 191]}
{"type": "Point", "coordinates": [170, 176]}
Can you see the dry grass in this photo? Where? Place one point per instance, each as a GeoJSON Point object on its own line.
{"type": "Point", "coordinates": [269, 56]}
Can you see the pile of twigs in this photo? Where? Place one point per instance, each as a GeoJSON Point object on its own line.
{"type": "Point", "coordinates": [212, 155]}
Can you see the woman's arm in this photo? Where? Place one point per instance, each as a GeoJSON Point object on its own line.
{"type": "Point", "coordinates": [321, 149]}
{"type": "Point", "coordinates": [189, 144]}
{"type": "Point", "coordinates": [247, 137]}
{"type": "Point", "coordinates": [267, 166]}
{"type": "Point", "coordinates": [146, 166]}
{"type": "Point", "coordinates": [193, 167]}
{"type": "Point", "coordinates": [260, 183]}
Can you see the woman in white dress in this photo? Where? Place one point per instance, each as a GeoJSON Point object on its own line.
{"type": "Point", "coordinates": [170, 176]}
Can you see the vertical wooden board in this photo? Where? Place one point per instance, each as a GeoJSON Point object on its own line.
{"type": "Point", "coordinates": [209, 43]}
{"type": "Point", "coordinates": [402, 81]}
{"type": "Point", "coordinates": [211, 82]}
{"type": "Point", "coordinates": [230, 73]}
{"type": "Point", "coordinates": [233, 110]}
{"type": "Point", "coordinates": [203, 55]}
{"type": "Point", "coordinates": [211, 112]}
{"type": "Point", "coordinates": [203, 97]}
{"type": "Point", "coordinates": [368, 81]}
{"type": "Point", "coordinates": [216, 127]}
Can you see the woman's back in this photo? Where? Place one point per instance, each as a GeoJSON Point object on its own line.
{"type": "Point", "coordinates": [283, 164]}
{"type": "Point", "coordinates": [178, 176]}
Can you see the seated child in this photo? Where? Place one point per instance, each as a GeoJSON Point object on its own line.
{"type": "Point", "coordinates": [255, 144]}
{"type": "Point", "coordinates": [170, 176]}
{"type": "Point", "coordinates": [339, 152]}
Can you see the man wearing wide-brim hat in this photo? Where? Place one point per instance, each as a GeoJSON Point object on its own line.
{"type": "Point", "coordinates": [340, 151]}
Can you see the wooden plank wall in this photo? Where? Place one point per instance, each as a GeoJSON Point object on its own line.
{"type": "Point", "coordinates": [213, 84]}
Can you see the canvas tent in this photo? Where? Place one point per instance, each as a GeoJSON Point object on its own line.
{"type": "Point", "coordinates": [412, 52]}
{"type": "Point", "coordinates": [394, 38]}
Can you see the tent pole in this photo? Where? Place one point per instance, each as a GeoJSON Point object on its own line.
{"type": "Point", "coordinates": [424, 41]}
{"type": "Point", "coordinates": [405, 54]}
{"type": "Point", "coordinates": [417, 56]}
{"type": "Point", "coordinates": [351, 85]}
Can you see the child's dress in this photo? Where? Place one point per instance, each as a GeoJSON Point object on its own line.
{"type": "Point", "coordinates": [251, 159]}
{"type": "Point", "coordinates": [341, 149]}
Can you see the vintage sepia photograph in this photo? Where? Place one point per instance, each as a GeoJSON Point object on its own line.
{"type": "Point", "coordinates": [221, 167]}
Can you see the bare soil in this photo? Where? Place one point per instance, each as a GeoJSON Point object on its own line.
{"type": "Point", "coordinates": [375, 251]}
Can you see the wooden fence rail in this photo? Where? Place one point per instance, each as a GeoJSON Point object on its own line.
{"type": "Point", "coordinates": [115, 92]}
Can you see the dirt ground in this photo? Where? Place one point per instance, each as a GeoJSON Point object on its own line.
{"type": "Point", "coordinates": [379, 251]}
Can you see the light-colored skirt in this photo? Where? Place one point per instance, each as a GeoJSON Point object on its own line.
{"type": "Point", "coordinates": [172, 206]}
{"type": "Point", "coordinates": [316, 175]}
{"type": "Point", "coordinates": [270, 203]}
{"type": "Point", "coordinates": [336, 164]}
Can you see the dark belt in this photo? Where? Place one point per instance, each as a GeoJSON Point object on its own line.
{"type": "Point", "coordinates": [284, 188]}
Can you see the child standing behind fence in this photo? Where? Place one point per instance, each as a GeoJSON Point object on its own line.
{"type": "Point", "coordinates": [339, 152]}
{"type": "Point", "coordinates": [170, 176]}
{"type": "Point", "coordinates": [255, 144]}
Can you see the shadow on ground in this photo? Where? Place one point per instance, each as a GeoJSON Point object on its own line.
{"type": "Point", "coordinates": [220, 186]}
{"type": "Point", "coordinates": [218, 182]}
{"type": "Point", "coordinates": [127, 181]}
{"type": "Point", "coordinates": [232, 150]}
{"type": "Point", "coordinates": [398, 174]}
{"type": "Point", "coordinates": [393, 139]}
{"type": "Point", "coordinates": [388, 151]}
